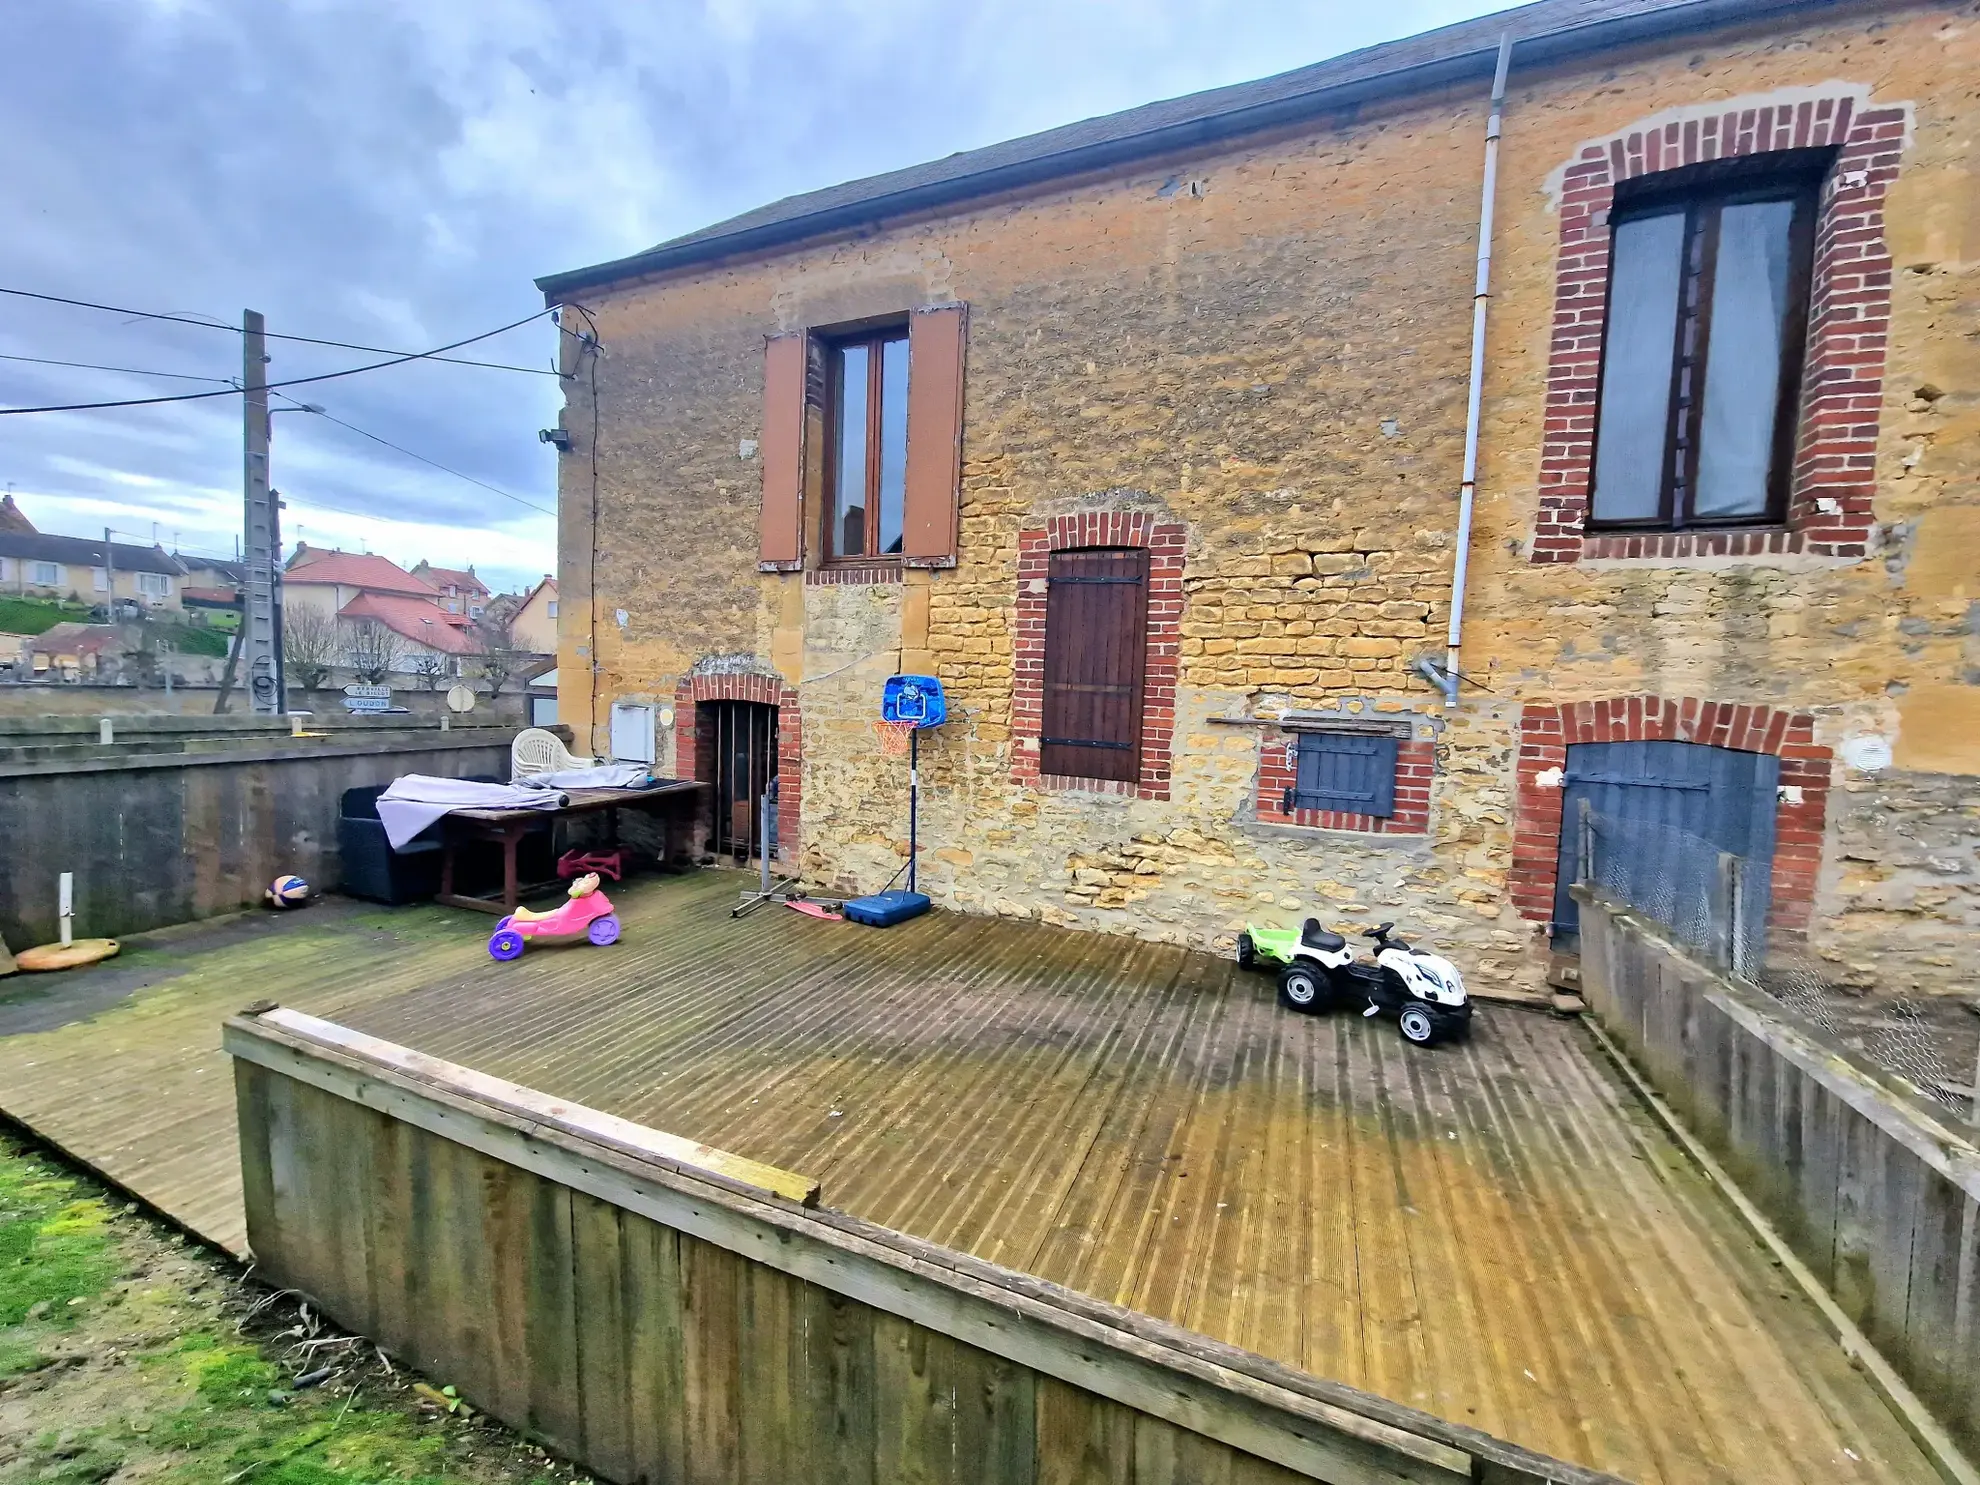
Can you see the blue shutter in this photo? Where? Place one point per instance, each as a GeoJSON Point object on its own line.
{"type": "Point", "coordinates": [1351, 772]}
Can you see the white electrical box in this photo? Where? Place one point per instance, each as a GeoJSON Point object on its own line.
{"type": "Point", "coordinates": [632, 732]}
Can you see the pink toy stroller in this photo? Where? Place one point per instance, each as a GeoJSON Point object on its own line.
{"type": "Point", "coordinates": [587, 914]}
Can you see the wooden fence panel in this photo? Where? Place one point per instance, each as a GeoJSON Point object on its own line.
{"type": "Point", "coordinates": [661, 1326]}
{"type": "Point", "coordinates": [1880, 1198]}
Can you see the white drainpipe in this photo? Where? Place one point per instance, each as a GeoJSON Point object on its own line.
{"type": "Point", "coordinates": [1480, 298]}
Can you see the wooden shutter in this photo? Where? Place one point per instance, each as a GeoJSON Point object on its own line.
{"type": "Point", "coordinates": [934, 436]}
{"type": "Point", "coordinates": [781, 449]}
{"type": "Point", "coordinates": [1096, 640]}
{"type": "Point", "coordinates": [1351, 772]}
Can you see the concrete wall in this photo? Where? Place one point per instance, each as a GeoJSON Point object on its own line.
{"type": "Point", "coordinates": [631, 1300]}
{"type": "Point", "coordinates": [31, 700]}
{"type": "Point", "coordinates": [1276, 362]}
{"type": "Point", "coordinates": [1879, 1198]}
{"type": "Point", "coordinates": [183, 818]}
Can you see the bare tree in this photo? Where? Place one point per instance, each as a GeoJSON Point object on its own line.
{"type": "Point", "coordinates": [309, 646]}
{"type": "Point", "coordinates": [372, 650]}
{"type": "Point", "coordinates": [432, 668]}
{"type": "Point", "coordinates": [499, 661]}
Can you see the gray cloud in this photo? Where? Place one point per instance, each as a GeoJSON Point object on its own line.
{"type": "Point", "coordinates": [396, 173]}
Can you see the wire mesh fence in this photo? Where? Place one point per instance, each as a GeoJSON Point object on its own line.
{"type": "Point", "coordinates": [1715, 904]}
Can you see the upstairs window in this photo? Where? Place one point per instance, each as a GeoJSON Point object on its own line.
{"type": "Point", "coordinates": [867, 425]}
{"type": "Point", "coordinates": [553, 608]}
{"type": "Point", "coordinates": [1702, 357]}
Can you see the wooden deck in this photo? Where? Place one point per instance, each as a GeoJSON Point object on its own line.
{"type": "Point", "coordinates": [1496, 1233]}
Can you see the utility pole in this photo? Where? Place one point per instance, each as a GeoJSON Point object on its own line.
{"type": "Point", "coordinates": [109, 579]}
{"type": "Point", "coordinates": [261, 638]}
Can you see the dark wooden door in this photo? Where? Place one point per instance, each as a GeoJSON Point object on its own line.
{"type": "Point", "coordinates": [1672, 806]}
{"type": "Point", "coordinates": [1096, 638]}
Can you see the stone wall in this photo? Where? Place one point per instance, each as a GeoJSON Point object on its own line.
{"type": "Point", "coordinates": [1274, 359]}
{"type": "Point", "coordinates": [1907, 888]}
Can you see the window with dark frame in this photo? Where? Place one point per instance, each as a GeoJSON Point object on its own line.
{"type": "Point", "coordinates": [1351, 772]}
{"type": "Point", "coordinates": [1096, 646]}
{"type": "Point", "coordinates": [866, 443]}
{"type": "Point", "coordinates": [1702, 355]}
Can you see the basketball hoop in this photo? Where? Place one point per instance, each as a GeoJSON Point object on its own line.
{"type": "Point", "coordinates": [895, 737]}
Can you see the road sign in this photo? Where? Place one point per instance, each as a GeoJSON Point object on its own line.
{"type": "Point", "coordinates": [363, 698]}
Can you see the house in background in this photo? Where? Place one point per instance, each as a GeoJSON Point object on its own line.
{"type": "Point", "coordinates": [34, 564]}
{"type": "Point", "coordinates": [328, 580]}
{"type": "Point", "coordinates": [535, 625]}
{"type": "Point", "coordinates": [434, 642]}
{"type": "Point", "coordinates": [460, 592]}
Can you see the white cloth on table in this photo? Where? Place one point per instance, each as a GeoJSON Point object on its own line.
{"type": "Point", "coordinates": [599, 776]}
{"type": "Point", "coordinates": [415, 801]}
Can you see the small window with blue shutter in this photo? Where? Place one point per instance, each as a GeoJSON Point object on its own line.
{"type": "Point", "coordinates": [1352, 772]}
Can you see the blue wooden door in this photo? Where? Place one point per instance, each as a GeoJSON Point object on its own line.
{"type": "Point", "coordinates": [1668, 805]}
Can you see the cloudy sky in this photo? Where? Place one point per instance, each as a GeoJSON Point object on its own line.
{"type": "Point", "coordinates": [395, 172]}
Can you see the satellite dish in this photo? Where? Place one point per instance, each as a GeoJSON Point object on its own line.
{"type": "Point", "coordinates": [460, 698]}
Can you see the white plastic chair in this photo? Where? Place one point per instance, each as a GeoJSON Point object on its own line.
{"type": "Point", "coordinates": [536, 751]}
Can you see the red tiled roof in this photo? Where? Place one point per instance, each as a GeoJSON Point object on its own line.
{"type": "Point", "coordinates": [365, 570]}
{"type": "Point", "coordinates": [441, 577]}
{"type": "Point", "coordinates": [209, 595]}
{"type": "Point", "coordinates": [416, 618]}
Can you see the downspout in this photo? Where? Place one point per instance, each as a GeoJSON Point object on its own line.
{"type": "Point", "coordinates": [1481, 297]}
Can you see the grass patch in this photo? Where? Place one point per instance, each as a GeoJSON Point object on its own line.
{"type": "Point", "coordinates": [37, 615]}
{"type": "Point", "coordinates": [55, 1245]}
{"type": "Point", "coordinates": [191, 639]}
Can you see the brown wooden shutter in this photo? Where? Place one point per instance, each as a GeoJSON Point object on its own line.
{"type": "Point", "coordinates": [782, 451]}
{"type": "Point", "coordinates": [934, 435]}
{"type": "Point", "coordinates": [1096, 642]}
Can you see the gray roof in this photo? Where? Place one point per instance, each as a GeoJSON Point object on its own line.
{"type": "Point", "coordinates": [1549, 31]}
{"type": "Point", "coordinates": [79, 551]}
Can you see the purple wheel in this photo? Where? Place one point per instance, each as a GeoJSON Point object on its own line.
{"type": "Point", "coordinates": [507, 919]}
{"type": "Point", "coordinates": [505, 945]}
{"type": "Point", "coordinates": [604, 930]}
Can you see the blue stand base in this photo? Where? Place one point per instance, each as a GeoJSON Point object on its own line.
{"type": "Point", "coordinates": [885, 908]}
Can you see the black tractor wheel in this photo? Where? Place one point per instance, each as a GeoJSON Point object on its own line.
{"type": "Point", "coordinates": [1302, 987]}
{"type": "Point", "coordinates": [1417, 1026]}
{"type": "Point", "coordinates": [1247, 952]}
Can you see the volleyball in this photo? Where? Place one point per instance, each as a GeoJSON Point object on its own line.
{"type": "Point", "coordinates": [288, 892]}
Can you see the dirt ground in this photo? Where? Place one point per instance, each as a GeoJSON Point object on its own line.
{"type": "Point", "coordinates": [129, 1352]}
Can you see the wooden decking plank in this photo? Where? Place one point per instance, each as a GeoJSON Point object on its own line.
{"type": "Point", "coordinates": [1015, 1091]}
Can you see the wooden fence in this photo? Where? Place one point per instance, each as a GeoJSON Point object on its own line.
{"type": "Point", "coordinates": [661, 1311]}
{"type": "Point", "coordinates": [1880, 1200]}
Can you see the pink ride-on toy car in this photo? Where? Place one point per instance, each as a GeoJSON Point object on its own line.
{"type": "Point", "coordinates": [587, 914]}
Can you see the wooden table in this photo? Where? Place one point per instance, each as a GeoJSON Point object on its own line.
{"type": "Point", "coordinates": [673, 800]}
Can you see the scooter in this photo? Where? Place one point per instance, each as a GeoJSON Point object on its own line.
{"type": "Point", "coordinates": [1317, 968]}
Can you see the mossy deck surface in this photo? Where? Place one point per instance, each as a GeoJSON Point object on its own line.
{"type": "Point", "coordinates": [1495, 1232]}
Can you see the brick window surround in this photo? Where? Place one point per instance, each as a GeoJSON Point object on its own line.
{"type": "Point", "coordinates": [1278, 771]}
{"type": "Point", "coordinates": [1164, 541]}
{"type": "Point", "coordinates": [1546, 730]}
{"type": "Point", "coordinates": [1829, 497]}
{"type": "Point", "coordinates": [771, 690]}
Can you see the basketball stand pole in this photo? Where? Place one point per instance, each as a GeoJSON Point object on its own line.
{"type": "Point", "coordinates": [766, 892]}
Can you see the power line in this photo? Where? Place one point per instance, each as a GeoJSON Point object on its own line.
{"type": "Point", "coordinates": [294, 381]}
{"type": "Point", "coordinates": [342, 345]}
{"type": "Point", "coordinates": [126, 370]}
{"type": "Point", "coordinates": [445, 469]}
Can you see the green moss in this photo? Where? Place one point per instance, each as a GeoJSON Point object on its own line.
{"type": "Point", "coordinates": [54, 1246]}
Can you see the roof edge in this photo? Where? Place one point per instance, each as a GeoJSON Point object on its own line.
{"type": "Point", "coordinates": [1470, 60]}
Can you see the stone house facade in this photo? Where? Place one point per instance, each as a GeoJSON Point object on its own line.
{"type": "Point", "coordinates": [1224, 343]}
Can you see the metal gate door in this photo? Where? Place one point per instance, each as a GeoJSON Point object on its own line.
{"type": "Point", "coordinates": [1655, 794]}
{"type": "Point", "coordinates": [741, 765]}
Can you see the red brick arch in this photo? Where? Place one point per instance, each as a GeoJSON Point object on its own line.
{"type": "Point", "coordinates": [771, 690]}
{"type": "Point", "coordinates": [1829, 503]}
{"type": "Point", "coordinates": [1547, 728]}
